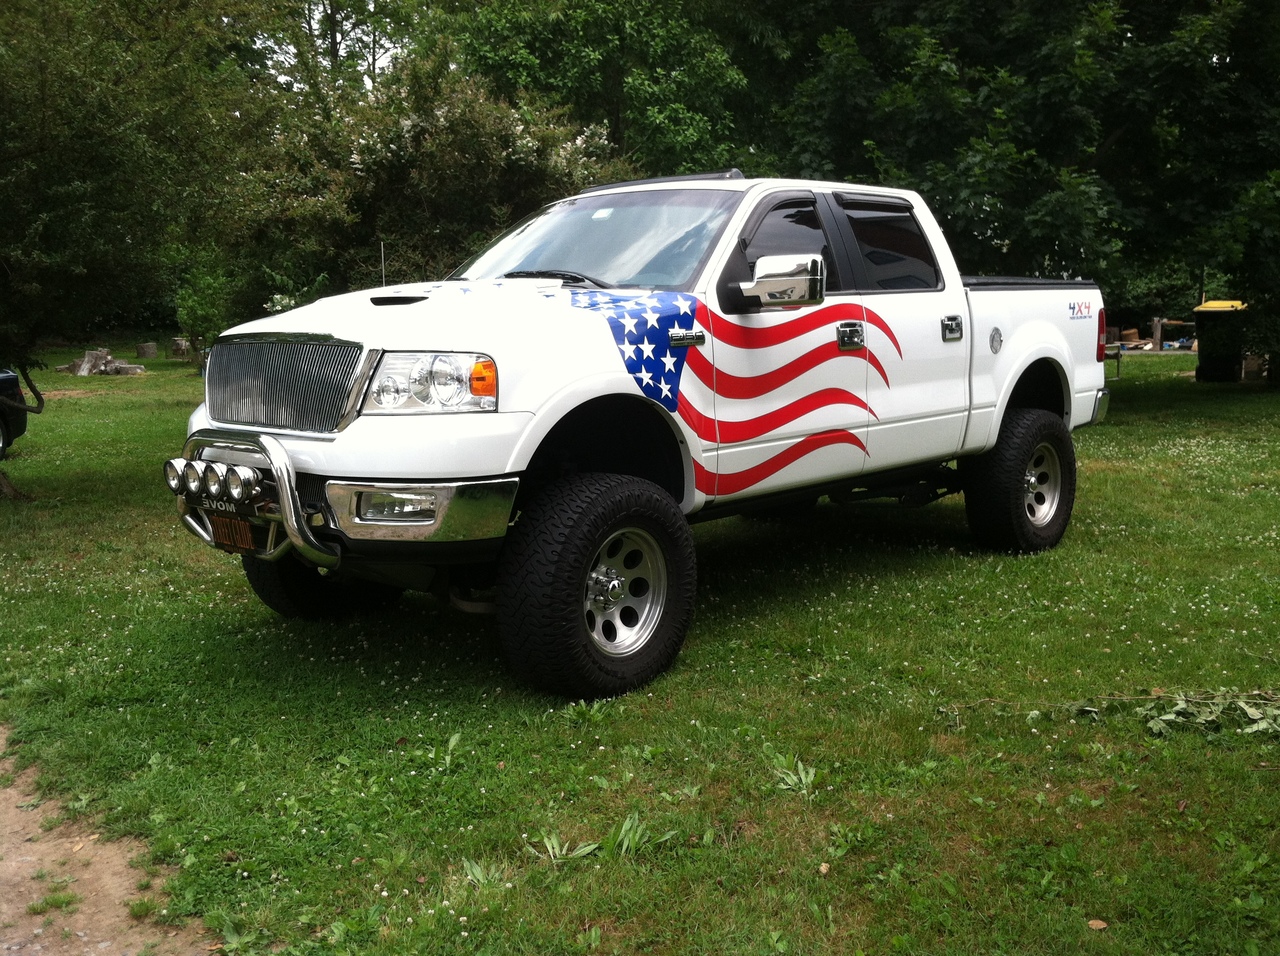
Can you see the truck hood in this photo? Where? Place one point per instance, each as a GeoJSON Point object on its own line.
{"type": "Point", "coordinates": [440, 316]}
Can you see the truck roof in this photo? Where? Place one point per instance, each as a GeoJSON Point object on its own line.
{"type": "Point", "coordinates": [733, 180]}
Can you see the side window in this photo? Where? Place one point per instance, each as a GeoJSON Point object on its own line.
{"type": "Point", "coordinates": [894, 252]}
{"type": "Point", "coordinates": [791, 227]}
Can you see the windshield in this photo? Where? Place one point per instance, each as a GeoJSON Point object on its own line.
{"type": "Point", "coordinates": [649, 239]}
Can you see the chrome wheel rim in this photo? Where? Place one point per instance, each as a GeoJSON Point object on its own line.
{"type": "Point", "coordinates": [1042, 489]}
{"type": "Point", "coordinates": [625, 591]}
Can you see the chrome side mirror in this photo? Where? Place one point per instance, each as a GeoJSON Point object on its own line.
{"type": "Point", "coordinates": [787, 280]}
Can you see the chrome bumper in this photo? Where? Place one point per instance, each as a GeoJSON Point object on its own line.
{"type": "Point", "coordinates": [1100, 404]}
{"type": "Point", "coordinates": [464, 511]}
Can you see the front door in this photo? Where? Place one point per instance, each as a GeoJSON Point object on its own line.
{"type": "Point", "coordinates": [789, 384]}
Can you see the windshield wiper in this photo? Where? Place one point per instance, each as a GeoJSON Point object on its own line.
{"type": "Point", "coordinates": [576, 278]}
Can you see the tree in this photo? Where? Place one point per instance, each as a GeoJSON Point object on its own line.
{"type": "Point", "coordinates": [441, 165]}
{"type": "Point", "coordinates": [656, 80]}
{"type": "Point", "coordinates": [116, 125]}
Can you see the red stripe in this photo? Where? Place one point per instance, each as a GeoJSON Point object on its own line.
{"type": "Point", "coordinates": [732, 432]}
{"type": "Point", "coordinates": [753, 386]}
{"type": "Point", "coordinates": [703, 426]}
{"type": "Point", "coordinates": [745, 337]}
{"type": "Point", "coordinates": [710, 483]}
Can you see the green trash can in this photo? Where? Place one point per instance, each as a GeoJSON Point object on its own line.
{"type": "Point", "coordinates": [1220, 340]}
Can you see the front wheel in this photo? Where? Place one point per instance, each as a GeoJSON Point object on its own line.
{"type": "Point", "coordinates": [1019, 495]}
{"type": "Point", "coordinates": [596, 585]}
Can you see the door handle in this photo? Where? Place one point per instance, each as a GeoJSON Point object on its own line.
{"type": "Point", "coordinates": [850, 336]}
{"type": "Point", "coordinates": [952, 328]}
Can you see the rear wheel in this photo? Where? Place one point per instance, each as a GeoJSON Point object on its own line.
{"type": "Point", "coordinates": [1019, 495]}
{"type": "Point", "coordinates": [596, 586]}
{"type": "Point", "coordinates": [294, 589]}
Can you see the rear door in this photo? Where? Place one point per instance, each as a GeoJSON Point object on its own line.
{"type": "Point", "coordinates": [917, 332]}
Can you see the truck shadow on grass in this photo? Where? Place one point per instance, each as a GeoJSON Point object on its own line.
{"type": "Point", "coordinates": [372, 660]}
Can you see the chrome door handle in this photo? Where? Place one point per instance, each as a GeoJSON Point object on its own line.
{"type": "Point", "coordinates": [850, 336]}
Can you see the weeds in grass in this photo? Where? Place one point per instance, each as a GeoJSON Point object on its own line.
{"type": "Point", "coordinates": [791, 772]}
{"type": "Point", "coordinates": [143, 908]}
{"type": "Point", "coordinates": [632, 837]}
{"type": "Point", "coordinates": [558, 851]}
{"type": "Point", "coordinates": [484, 875]}
{"type": "Point", "coordinates": [63, 900]}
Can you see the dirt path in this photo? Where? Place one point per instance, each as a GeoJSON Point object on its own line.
{"type": "Point", "coordinates": [38, 864]}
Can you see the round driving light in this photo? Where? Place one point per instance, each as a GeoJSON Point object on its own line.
{"type": "Point", "coordinates": [193, 477]}
{"type": "Point", "coordinates": [391, 392]}
{"type": "Point", "coordinates": [448, 381]}
{"type": "Point", "coordinates": [215, 475]}
{"type": "Point", "coordinates": [242, 483]}
{"type": "Point", "coordinates": [173, 474]}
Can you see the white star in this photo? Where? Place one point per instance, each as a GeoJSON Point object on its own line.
{"type": "Point", "coordinates": [684, 304]}
{"type": "Point", "coordinates": [646, 349]}
{"type": "Point", "coordinates": [644, 377]}
{"type": "Point", "coordinates": [628, 351]}
{"type": "Point", "coordinates": [666, 389]}
{"type": "Point", "coordinates": [629, 321]}
{"type": "Point", "coordinates": [669, 362]}
{"type": "Point", "coordinates": [652, 317]}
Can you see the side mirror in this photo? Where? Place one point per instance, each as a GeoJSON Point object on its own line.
{"type": "Point", "coordinates": [787, 280]}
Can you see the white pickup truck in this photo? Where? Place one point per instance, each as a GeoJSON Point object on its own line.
{"type": "Point", "coordinates": [544, 424]}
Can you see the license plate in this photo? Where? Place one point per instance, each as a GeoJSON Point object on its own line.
{"type": "Point", "coordinates": [232, 534]}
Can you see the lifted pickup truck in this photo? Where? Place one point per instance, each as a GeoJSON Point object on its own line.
{"type": "Point", "coordinates": [547, 421]}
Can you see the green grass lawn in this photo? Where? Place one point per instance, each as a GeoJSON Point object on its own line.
{"type": "Point", "coordinates": [878, 738]}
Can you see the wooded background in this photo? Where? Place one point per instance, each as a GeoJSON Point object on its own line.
{"type": "Point", "coordinates": [204, 162]}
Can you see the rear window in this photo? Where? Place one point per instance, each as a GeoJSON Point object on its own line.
{"type": "Point", "coordinates": [894, 252]}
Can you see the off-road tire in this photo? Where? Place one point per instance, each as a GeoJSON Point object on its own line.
{"type": "Point", "coordinates": [596, 586]}
{"type": "Point", "coordinates": [1019, 495]}
{"type": "Point", "coordinates": [294, 589]}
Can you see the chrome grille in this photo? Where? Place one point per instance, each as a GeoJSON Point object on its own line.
{"type": "Point", "coordinates": [298, 385]}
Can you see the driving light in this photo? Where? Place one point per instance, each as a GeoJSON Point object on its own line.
{"type": "Point", "coordinates": [215, 474]}
{"type": "Point", "coordinates": [173, 474]}
{"type": "Point", "coordinates": [193, 476]}
{"type": "Point", "coordinates": [242, 484]}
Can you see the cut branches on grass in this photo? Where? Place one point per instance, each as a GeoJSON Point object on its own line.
{"type": "Point", "coordinates": [842, 759]}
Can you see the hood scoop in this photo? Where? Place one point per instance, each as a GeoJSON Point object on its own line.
{"type": "Point", "coordinates": [397, 299]}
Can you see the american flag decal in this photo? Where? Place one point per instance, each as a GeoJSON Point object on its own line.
{"type": "Point", "coordinates": [642, 327]}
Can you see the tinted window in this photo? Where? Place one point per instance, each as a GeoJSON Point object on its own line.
{"type": "Point", "coordinates": [894, 251]}
{"type": "Point", "coordinates": [790, 228]}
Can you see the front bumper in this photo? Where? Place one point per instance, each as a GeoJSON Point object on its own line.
{"type": "Point", "coordinates": [280, 519]}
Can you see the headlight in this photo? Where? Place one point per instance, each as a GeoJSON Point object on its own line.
{"type": "Point", "coordinates": [417, 382]}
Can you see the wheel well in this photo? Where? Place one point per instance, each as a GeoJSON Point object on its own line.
{"type": "Point", "coordinates": [614, 434]}
{"type": "Point", "coordinates": [1041, 386]}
